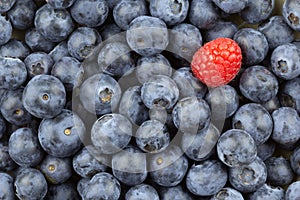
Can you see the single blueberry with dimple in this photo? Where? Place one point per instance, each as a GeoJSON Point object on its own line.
{"type": "Point", "coordinates": [221, 29]}
{"type": "Point", "coordinates": [232, 6]}
{"type": "Point", "coordinates": [48, 100]}
{"type": "Point", "coordinates": [59, 51]}
{"type": "Point", "coordinates": [267, 192]}
{"type": "Point", "coordinates": [228, 193]}
{"type": "Point", "coordinates": [6, 186]}
{"type": "Point", "coordinates": [37, 42]}
{"type": "Point", "coordinates": [66, 191]}
{"type": "Point", "coordinates": [111, 133]}
{"type": "Point", "coordinates": [14, 48]}
{"type": "Point", "coordinates": [38, 63]}
{"type": "Point", "coordinates": [150, 42]}
{"type": "Point", "coordinates": [6, 5]}
{"type": "Point", "coordinates": [61, 136]}
{"type": "Point", "coordinates": [289, 95]}
{"type": "Point", "coordinates": [142, 191]}
{"type": "Point", "coordinates": [290, 12]}
{"type": "Point", "coordinates": [175, 193]}
{"type": "Point", "coordinates": [6, 30]}
{"type": "Point", "coordinates": [295, 160]}
{"type": "Point", "coordinates": [61, 4]}
{"type": "Point", "coordinates": [206, 178]}
{"type": "Point", "coordinates": [293, 191]}
{"type": "Point", "coordinates": [236, 147]}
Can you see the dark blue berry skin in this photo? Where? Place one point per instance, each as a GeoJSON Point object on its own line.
{"type": "Point", "coordinates": [286, 126]}
{"type": "Point", "coordinates": [116, 59]}
{"type": "Point", "coordinates": [254, 119]}
{"type": "Point", "coordinates": [6, 30]}
{"type": "Point", "coordinates": [132, 106]}
{"type": "Point", "coordinates": [65, 191]}
{"type": "Point", "coordinates": [142, 191]}
{"type": "Point", "coordinates": [30, 183]}
{"type": "Point", "coordinates": [110, 30]}
{"type": "Point", "coordinates": [22, 14]}
{"type": "Point", "coordinates": [102, 186]}
{"type": "Point", "coordinates": [288, 94]}
{"type": "Point", "coordinates": [152, 65]}
{"type": "Point", "coordinates": [54, 25]}
{"type": "Point", "coordinates": [188, 84]}
{"type": "Point", "coordinates": [225, 93]}
{"type": "Point", "coordinates": [150, 42]}
{"type": "Point", "coordinates": [100, 94]}
{"type": "Point", "coordinates": [130, 166]}
{"type": "Point", "coordinates": [293, 192]}
{"type": "Point", "coordinates": [276, 31]}
{"type": "Point", "coordinates": [44, 96]}
{"type": "Point", "coordinates": [206, 178]}
{"type": "Point", "coordinates": [248, 177]}
{"type": "Point", "coordinates": [59, 51]}
{"type": "Point", "coordinates": [191, 115]}
{"type": "Point", "coordinates": [82, 42]}
{"type": "Point", "coordinates": [38, 63]}
{"type": "Point", "coordinates": [169, 167]}
{"type": "Point", "coordinates": [86, 164]}
{"type": "Point", "coordinates": [61, 4]}
{"type": "Point", "coordinates": [285, 61]}
{"type": "Point", "coordinates": [228, 193]}
{"type": "Point", "coordinates": [6, 5]}
{"type": "Point", "coordinates": [24, 147]}
{"type": "Point", "coordinates": [69, 71]}
{"type": "Point", "coordinates": [266, 150]}
{"type": "Point", "coordinates": [257, 11]}
{"type": "Point", "coordinates": [111, 133]}
{"type": "Point", "coordinates": [175, 193]}
{"type": "Point", "coordinates": [186, 40]}
{"type": "Point", "coordinates": [6, 162]}
{"type": "Point", "coordinates": [160, 90]}
{"type": "Point", "coordinates": [294, 161]}
{"type": "Point", "coordinates": [221, 29]}
{"type": "Point", "coordinates": [291, 13]}
{"type": "Point", "coordinates": [6, 187]}
{"type": "Point", "coordinates": [2, 125]}
{"type": "Point", "coordinates": [14, 49]}
{"type": "Point", "coordinates": [231, 7]}
{"type": "Point", "coordinates": [203, 14]}
{"type": "Point", "coordinates": [12, 108]}
{"type": "Point", "coordinates": [254, 45]}
{"type": "Point", "coordinates": [90, 13]}
{"type": "Point", "coordinates": [236, 147]}
{"type": "Point", "coordinates": [60, 136]}
{"type": "Point", "coordinates": [152, 136]}
{"type": "Point", "coordinates": [258, 84]}
{"type": "Point", "coordinates": [37, 42]}
{"type": "Point", "coordinates": [272, 104]}
{"type": "Point", "coordinates": [201, 145]}
{"type": "Point", "coordinates": [279, 171]}
{"type": "Point", "coordinates": [172, 12]}
{"type": "Point", "coordinates": [126, 10]}
{"type": "Point", "coordinates": [267, 192]}
{"type": "Point", "coordinates": [56, 170]}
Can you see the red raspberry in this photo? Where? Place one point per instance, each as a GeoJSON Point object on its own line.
{"type": "Point", "coordinates": [217, 62]}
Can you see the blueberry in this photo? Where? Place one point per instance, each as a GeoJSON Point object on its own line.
{"type": "Point", "coordinates": [64, 191]}
{"type": "Point", "coordinates": [288, 95]}
{"type": "Point", "coordinates": [191, 115]}
{"type": "Point", "coordinates": [30, 183]}
{"type": "Point", "coordinates": [6, 162]}
{"type": "Point", "coordinates": [2, 126]}
{"type": "Point", "coordinates": [14, 49]}
{"type": "Point", "coordinates": [266, 149]}
{"type": "Point", "coordinates": [38, 63]}
{"type": "Point", "coordinates": [188, 84]}
{"type": "Point", "coordinates": [81, 185]}
{"type": "Point", "coordinates": [206, 178]}
{"type": "Point", "coordinates": [150, 42]}
{"type": "Point", "coordinates": [254, 45]}
{"type": "Point", "coordinates": [61, 4]}
{"type": "Point", "coordinates": [37, 42]}
{"type": "Point", "coordinates": [286, 126]}
{"type": "Point", "coordinates": [54, 25]}
{"type": "Point", "coordinates": [200, 146]}
{"type": "Point", "coordinates": [152, 136]}
{"type": "Point", "coordinates": [6, 186]}
{"type": "Point", "coordinates": [12, 108]}
{"type": "Point", "coordinates": [172, 12]}
{"type": "Point", "coordinates": [272, 104]}
{"type": "Point", "coordinates": [96, 15]}
{"type": "Point", "coordinates": [111, 133]}
{"type": "Point", "coordinates": [291, 13]}
{"type": "Point", "coordinates": [267, 192]}
{"type": "Point", "coordinates": [69, 71]}
{"type": "Point", "coordinates": [59, 51]}
{"type": "Point", "coordinates": [175, 193]}
{"type": "Point", "coordinates": [22, 14]}
{"type": "Point", "coordinates": [232, 6]}
{"type": "Point", "coordinates": [126, 10]}
{"type": "Point", "coordinates": [293, 192]}
{"type": "Point", "coordinates": [203, 14]}
{"type": "Point", "coordinates": [258, 84]}
{"type": "Point", "coordinates": [100, 94]}
{"type": "Point", "coordinates": [295, 160]}
{"type": "Point", "coordinates": [102, 186]}
{"type": "Point", "coordinates": [142, 191]}
{"type": "Point", "coordinates": [236, 147]}
{"type": "Point", "coordinates": [248, 177]}
{"type": "Point", "coordinates": [44, 96]}
{"type": "Point", "coordinates": [169, 167]}
{"type": "Point", "coordinates": [6, 5]}
{"type": "Point", "coordinates": [279, 171]}
{"type": "Point", "coordinates": [228, 193]}
{"type": "Point", "coordinates": [257, 11]}
{"type": "Point", "coordinates": [221, 29]}
{"type": "Point", "coordinates": [110, 30]}
{"type": "Point", "coordinates": [86, 164]}
{"type": "Point", "coordinates": [6, 30]}
{"type": "Point", "coordinates": [24, 147]}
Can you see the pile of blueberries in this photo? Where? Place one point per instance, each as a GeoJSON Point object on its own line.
{"type": "Point", "coordinates": [98, 101]}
